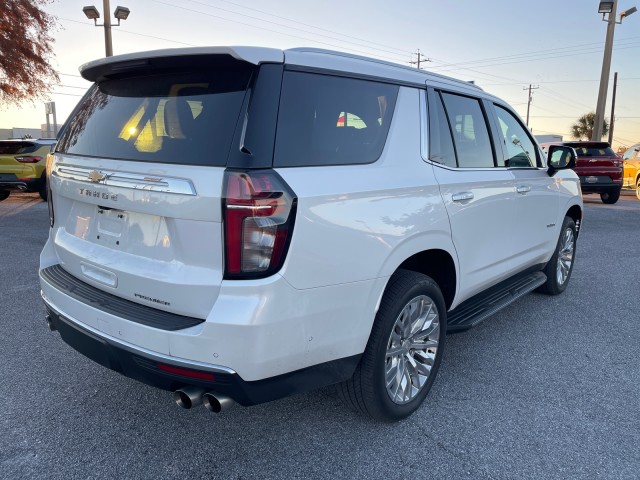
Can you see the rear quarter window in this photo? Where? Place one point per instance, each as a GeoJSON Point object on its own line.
{"type": "Point", "coordinates": [328, 120]}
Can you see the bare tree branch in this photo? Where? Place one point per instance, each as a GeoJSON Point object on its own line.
{"type": "Point", "coordinates": [26, 50]}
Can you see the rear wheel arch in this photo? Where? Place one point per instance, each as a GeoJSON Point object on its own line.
{"type": "Point", "coordinates": [575, 213]}
{"type": "Point", "coordinates": [438, 265]}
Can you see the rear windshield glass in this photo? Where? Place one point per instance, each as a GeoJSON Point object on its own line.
{"type": "Point", "coordinates": [171, 118]}
{"type": "Point", "coordinates": [594, 151]}
{"type": "Point", "coordinates": [17, 148]}
{"type": "Point", "coordinates": [327, 120]}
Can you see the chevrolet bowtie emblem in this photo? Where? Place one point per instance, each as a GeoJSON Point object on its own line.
{"type": "Point", "coordinates": [96, 176]}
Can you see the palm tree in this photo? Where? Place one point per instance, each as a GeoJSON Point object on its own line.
{"type": "Point", "coordinates": [583, 128]}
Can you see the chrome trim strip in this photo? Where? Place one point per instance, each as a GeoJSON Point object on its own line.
{"type": "Point", "coordinates": [136, 181]}
{"type": "Point", "coordinates": [143, 352]}
{"type": "Point", "coordinates": [249, 207]}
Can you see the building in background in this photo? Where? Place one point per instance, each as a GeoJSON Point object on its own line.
{"type": "Point", "coordinates": [18, 132]}
{"type": "Point", "coordinates": [548, 138]}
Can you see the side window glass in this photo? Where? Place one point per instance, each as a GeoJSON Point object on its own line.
{"type": "Point", "coordinates": [630, 153]}
{"type": "Point", "coordinates": [440, 142]}
{"type": "Point", "coordinates": [521, 150]}
{"type": "Point", "coordinates": [469, 129]}
{"type": "Point", "coordinates": [327, 120]}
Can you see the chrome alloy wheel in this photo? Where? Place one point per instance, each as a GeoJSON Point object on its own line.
{"type": "Point", "coordinates": [565, 256]}
{"type": "Point", "coordinates": [411, 349]}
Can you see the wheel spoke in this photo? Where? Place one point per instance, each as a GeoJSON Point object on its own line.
{"type": "Point", "coordinates": [394, 351]}
{"type": "Point", "coordinates": [411, 349]}
{"type": "Point", "coordinates": [565, 256]}
{"type": "Point", "coordinates": [424, 344]}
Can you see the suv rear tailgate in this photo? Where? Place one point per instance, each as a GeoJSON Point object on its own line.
{"type": "Point", "coordinates": [152, 236]}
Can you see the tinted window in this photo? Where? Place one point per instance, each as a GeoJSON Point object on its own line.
{"type": "Point", "coordinates": [469, 129]}
{"type": "Point", "coordinates": [173, 118]}
{"type": "Point", "coordinates": [440, 142]}
{"type": "Point", "coordinates": [602, 150]}
{"type": "Point", "coordinates": [17, 148]}
{"type": "Point", "coordinates": [519, 148]}
{"type": "Point", "coordinates": [326, 120]}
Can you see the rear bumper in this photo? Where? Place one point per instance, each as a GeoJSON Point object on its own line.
{"type": "Point", "coordinates": [600, 186]}
{"type": "Point", "coordinates": [151, 368]}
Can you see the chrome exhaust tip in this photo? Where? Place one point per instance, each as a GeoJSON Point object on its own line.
{"type": "Point", "coordinates": [188, 397]}
{"type": "Point", "coordinates": [216, 403]}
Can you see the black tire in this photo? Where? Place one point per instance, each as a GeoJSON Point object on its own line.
{"type": "Point", "coordinates": [4, 194]}
{"type": "Point", "coordinates": [638, 188]}
{"type": "Point", "coordinates": [43, 189]}
{"type": "Point", "coordinates": [610, 197]}
{"type": "Point", "coordinates": [367, 390]}
{"type": "Point", "coordinates": [555, 270]}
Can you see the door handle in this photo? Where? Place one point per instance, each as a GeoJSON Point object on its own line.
{"type": "Point", "coordinates": [462, 196]}
{"type": "Point", "coordinates": [523, 189]}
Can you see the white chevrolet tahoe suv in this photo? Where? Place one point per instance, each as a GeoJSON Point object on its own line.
{"type": "Point", "coordinates": [237, 224]}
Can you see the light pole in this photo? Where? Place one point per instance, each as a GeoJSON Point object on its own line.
{"type": "Point", "coordinates": [608, 8]}
{"type": "Point", "coordinates": [92, 13]}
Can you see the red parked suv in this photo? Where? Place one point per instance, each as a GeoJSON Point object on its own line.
{"type": "Point", "coordinates": [599, 168]}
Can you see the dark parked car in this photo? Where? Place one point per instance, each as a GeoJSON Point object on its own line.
{"type": "Point", "coordinates": [599, 168]}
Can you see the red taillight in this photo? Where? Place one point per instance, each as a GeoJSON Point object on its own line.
{"type": "Point", "coordinates": [185, 372]}
{"type": "Point", "coordinates": [259, 211]}
{"type": "Point", "coordinates": [28, 159]}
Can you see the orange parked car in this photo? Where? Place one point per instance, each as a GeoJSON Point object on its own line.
{"type": "Point", "coordinates": [631, 169]}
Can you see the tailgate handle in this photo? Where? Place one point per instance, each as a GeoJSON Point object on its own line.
{"type": "Point", "coordinates": [523, 189]}
{"type": "Point", "coordinates": [462, 196]}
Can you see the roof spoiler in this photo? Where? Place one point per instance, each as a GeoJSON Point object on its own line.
{"type": "Point", "coordinates": [121, 64]}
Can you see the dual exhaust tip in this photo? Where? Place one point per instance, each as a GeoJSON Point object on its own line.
{"type": "Point", "coordinates": [190, 397]}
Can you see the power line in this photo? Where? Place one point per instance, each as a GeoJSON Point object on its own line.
{"type": "Point", "coordinates": [596, 46]}
{"type": "Point", "coordinates": [341, 34]}
{"type": "Point", "coordinates": [281, 32]}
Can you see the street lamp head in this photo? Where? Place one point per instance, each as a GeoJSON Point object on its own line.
{"type": "Point", "coordinates": [121, 13]}
{"type": "Point", "coordinates": [605, 7]}
{"type": "Point", "coordinates": [91, 12]}
{"type": "Point", "coordinates": [626, 13]}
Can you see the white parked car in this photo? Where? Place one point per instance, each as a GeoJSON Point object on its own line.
{"type": "Point", "coordinates": [241, 224]}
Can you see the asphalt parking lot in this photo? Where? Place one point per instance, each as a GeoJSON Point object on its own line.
{"type": "Point", "coordinates": [548, 388]}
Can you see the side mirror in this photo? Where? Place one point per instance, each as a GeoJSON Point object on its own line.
{"type": "Point", "coordinates": [560, 158]}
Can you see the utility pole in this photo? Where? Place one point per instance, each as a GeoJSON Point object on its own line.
{"type": "Point", "coordinates": [530, 98]}
{"type": "Point", "coordinates": [613, 107]}
{"type": "Point", "coordinates": [108, 43]}
{"type": "Point", "coordinates": [421, 58]}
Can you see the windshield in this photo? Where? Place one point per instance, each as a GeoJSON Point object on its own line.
{"type": "Point", "coordinates": [186, 118]}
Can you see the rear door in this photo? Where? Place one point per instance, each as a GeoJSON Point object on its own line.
{"type": "Point", "coordinates": [137, 181]}
{"type": "Point", "coordinates": [478, 195]}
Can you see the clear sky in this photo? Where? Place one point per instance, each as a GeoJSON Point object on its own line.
{"type": "Point", "coordinates": [503, 45]}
